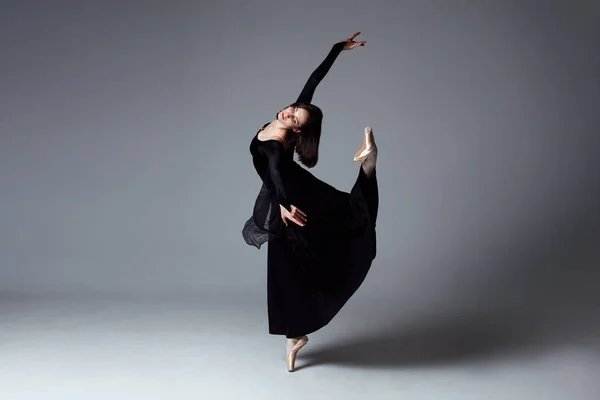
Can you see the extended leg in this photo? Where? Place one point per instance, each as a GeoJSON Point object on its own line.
{"type": "Point", "coordinates": [370, 190]}
{"type": "Point", "coordinates": [367, 157]}
{"type": "Point", "coordinates": [367, 154]}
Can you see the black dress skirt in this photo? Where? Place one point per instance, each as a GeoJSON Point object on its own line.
{"type": "Point", "coordinates": [313, 270]}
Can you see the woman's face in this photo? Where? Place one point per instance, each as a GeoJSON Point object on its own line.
{"type": "Point", "coordinates": [293, 117]}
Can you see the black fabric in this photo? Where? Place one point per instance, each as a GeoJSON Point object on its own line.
{"type": "Point", "coordinates": [312, 271]}
{"type": "Point", "coordinates": [318, 74]}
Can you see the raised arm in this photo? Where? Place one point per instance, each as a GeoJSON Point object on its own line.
{"type": "Point", "coordinates": [318, 74]}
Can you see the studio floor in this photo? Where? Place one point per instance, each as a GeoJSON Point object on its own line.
{"type": "Point", "coordinates": [218, 348]}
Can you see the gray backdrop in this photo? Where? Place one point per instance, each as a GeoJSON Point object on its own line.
{"type": "Point", "coordinates": [125, 129]}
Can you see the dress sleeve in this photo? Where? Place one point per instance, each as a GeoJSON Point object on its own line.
{"type": "Point", "coordinates": [275, 153]}
{"type": "Point", "coordinates": [318, 74]}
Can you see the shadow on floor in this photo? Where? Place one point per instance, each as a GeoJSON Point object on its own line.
{"type": "Point", "coordinates": [552, 279]}
{"type": "Point", "coordinates": [433, 343]}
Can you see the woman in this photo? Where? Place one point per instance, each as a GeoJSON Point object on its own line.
{"type": "Point", "coordinates": [321, 241]}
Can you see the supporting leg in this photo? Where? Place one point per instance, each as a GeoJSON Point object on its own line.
{"type": "Point", "coordinates": [293, 345]}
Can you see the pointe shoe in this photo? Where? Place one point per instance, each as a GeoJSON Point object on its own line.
{"type": "Point", "coordinates": [367, 148]}
{"type": "Point", "coordinates": [291, 357]}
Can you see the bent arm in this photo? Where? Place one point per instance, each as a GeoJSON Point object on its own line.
{"type": "Point", "coordinates": [318, 74]}
{"type": "Point", "coordinates": [274, 152]}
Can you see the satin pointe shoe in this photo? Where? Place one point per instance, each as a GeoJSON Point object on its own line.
{"type": "Point", "coordinates": [367, 148]}
{"type": "Point", "coordinates": [291, 357]}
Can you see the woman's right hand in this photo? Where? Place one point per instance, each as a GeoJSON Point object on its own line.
{"type": "Point", "coordinates": [295, 215]}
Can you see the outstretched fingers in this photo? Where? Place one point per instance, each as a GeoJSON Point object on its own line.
{"type": "Point", "coordinates": [298, 221]}
{"type": "Point", "coordinates": [300, 212]}
{"type": "Point", "coordinates": [298, 216]}
{"type": "Point", "coordinates": [351, 38]}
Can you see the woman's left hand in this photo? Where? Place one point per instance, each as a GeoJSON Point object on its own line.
{"type": "Point", "coordinates": [350, 43]}
{"type": "Point", "coordinates": [296, 215]}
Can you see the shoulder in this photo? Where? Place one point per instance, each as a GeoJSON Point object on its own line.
{"type": "Point", "coordinates": [270, 146]}
{"type": "Point", "coordinates": [268, 137]}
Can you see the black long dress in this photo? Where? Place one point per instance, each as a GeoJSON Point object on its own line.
{"type": "Point", "coordinates": [312, 271]}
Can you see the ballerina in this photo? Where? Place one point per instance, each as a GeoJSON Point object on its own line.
{"type": "Point", "coordinates": [321, 241]}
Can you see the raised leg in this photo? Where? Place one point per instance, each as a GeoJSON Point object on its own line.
{"type": "Point", "coordinates": [367, 154]}
{"type": "Point", "coordinates": [367, 180]}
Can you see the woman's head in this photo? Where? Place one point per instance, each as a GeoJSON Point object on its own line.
{"type": "Point", "coordinates": [305, 121]}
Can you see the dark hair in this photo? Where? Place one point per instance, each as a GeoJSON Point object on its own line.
{"type": "Point", "coordinates": [307, 141]}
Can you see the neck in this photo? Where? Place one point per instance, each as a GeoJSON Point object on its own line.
{"type": "Point", "coordinates": [278, 125]}
{"type": "Point", "coordinates": [280, 130]}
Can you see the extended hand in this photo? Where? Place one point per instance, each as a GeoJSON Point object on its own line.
{"type": "Point", "coordinates": [350, 43]}
{"type": "Point", "coordinates": [296, 215]}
